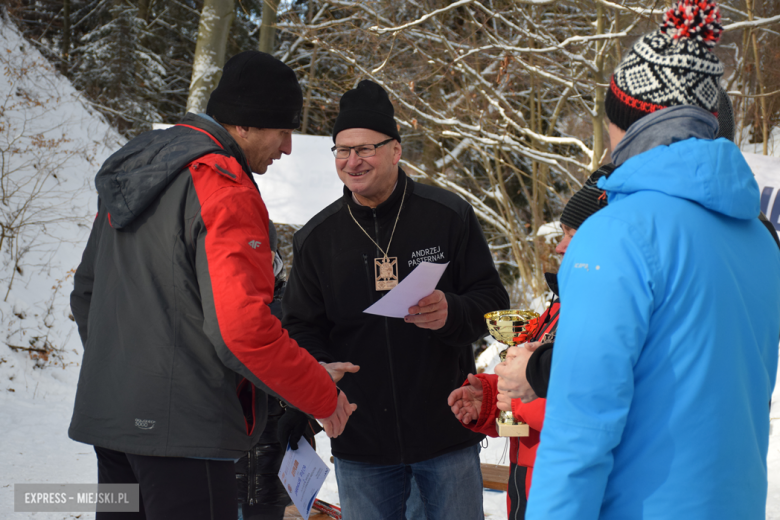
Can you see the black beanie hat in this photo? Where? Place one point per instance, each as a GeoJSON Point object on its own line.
{"type": "Point", "coordinates": [588, 200]}
{"type": "Point", "coordinates": [366, 106]}
{"type": "Point", "coordinates": [257, 90]}
{"type": "Point", "coordinates": [671, 66]}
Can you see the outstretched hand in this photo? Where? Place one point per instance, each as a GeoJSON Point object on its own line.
{"type": "Point", "coordinates": [334, 425]}
{"type": "Point", "coordinates": [338, 369]}
{"type": "Point", "coordinates": [466, 401]}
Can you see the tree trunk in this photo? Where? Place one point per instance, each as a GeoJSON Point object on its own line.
{"type": "Point", "coordinates": [268, 26]}
{"type": "Point", "coordinates": [215, 21]}
{"type": "Point", "coordinates": [143, 10]}
{"type": "Point", "coordinates": [65, 33]}
{"type": "Point", "coordinates": [760, 80]}
{"type": "Point", "coordinates": [600, 94]}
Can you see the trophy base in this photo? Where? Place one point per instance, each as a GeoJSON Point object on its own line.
{"type": "Point", "coordinates": [511, 430]}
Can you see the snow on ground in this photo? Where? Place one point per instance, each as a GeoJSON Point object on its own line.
{"type": "Point", "coordinates": [39, 108]}
{"type": "Point", "coordinates": [34, 432]}
{"type": "Point", "coordinates": [773, 143]}
{"type": "Point", "coordinates": [551, 232]}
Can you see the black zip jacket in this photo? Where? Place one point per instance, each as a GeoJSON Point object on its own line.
{"type": "Point", "coordinates": [406, 373]}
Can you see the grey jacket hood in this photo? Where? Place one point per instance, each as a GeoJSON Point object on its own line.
{"type": "Point", "coordinates": [132, 178]}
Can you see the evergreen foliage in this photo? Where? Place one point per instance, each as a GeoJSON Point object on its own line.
{"type": "Point", "coordinates": [132, 58]}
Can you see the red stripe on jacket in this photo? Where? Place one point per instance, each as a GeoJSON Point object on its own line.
{"type": "Point", "coordinates": [239, 265]}
{"type": "Point", "coordinates": [202, 131]}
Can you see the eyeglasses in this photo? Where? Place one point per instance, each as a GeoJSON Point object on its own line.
{"type": "Point", "coordinates": [363, 150]}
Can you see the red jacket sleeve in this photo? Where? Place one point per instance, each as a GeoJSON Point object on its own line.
{"type": "Point", "coordinates": [235, 274]}
{"type": "Point", "coordinates": [531, 413]}
{"type": "Point", "coordinates": [486, 423]}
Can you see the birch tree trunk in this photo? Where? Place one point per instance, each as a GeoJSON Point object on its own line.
{"type": "Point", "coordinates": [215, 21]}
{"type": "Point", "coordinates": [268, 26]}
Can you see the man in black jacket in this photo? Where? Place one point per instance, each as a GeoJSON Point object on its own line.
{"type": "Point", "coordinates": [345, 259]}
{"type": "Point", "coordinates": [171, 300]}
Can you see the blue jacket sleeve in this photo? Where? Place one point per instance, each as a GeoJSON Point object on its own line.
{"type": "Point", "coordinates": [606, 293]}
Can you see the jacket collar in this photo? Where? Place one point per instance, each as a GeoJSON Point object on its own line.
{"type": "Point", "coordinates": [226, 141]}
{"type": "Point", "coordinates": [552, 282]}
{"type": "Point", "coordinates": [390, 206]}
{"type": "Point", "coordinates": [663, 128]}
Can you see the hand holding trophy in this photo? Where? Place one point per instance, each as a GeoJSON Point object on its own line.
{"type": "Point", "coordinates": [509, 327]}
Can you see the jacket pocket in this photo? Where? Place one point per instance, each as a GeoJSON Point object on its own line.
{"type": "Point", "coordinates": [247, 393]}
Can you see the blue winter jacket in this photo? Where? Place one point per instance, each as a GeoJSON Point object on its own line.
{"type": "Point", "coordinates": [667, 347]}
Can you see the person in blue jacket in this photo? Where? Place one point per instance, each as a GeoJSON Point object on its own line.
{"type": "Point", "coordinates": [667, 347]}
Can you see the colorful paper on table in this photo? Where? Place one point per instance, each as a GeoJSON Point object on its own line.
{"type": "Point", "coordinates": [417, 285]}
{"type": "Point", "coordinates": [302, 473]}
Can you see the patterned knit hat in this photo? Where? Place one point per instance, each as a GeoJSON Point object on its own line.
{"type": "Point", "coordinates": [669, 67]}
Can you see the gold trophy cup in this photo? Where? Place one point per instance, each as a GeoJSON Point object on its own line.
{"type": "Point", "coordinates": [508, 327]}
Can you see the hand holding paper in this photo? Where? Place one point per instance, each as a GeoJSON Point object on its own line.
{"type": "Point", "coordinates": [416, 288]}
{"type": "Point", "coordinates": [430, 312]}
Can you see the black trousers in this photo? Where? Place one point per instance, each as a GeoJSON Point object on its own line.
{"type": "Point", "coordinates": [171, 488]}
{"type": "Point", "coordinates": [517, 499]}
{"type": "Point", "coordinates": [262, 512]}
{"type": "Point", "coordinates": [261, 494]}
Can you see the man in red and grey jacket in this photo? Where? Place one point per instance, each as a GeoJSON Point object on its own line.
{"type": "Point", "coordinates": [171, 300]}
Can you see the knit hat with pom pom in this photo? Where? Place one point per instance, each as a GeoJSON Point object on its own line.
{"type": "Point", "coordinates": [671, 66]}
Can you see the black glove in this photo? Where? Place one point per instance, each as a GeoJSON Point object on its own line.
{"type": "Point", "coordinates": [295, 424]}
{"type": "Point", "coordinates": [537, 372]}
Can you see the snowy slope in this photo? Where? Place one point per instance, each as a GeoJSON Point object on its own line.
{"type": "Point", "coordinates": [51, 148]}
{"type": "Point", "coordinates": [40, 112]}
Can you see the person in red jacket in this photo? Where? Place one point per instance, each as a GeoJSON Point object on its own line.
{"type": "Point", "coordinates": [171, 300]}
{"type": "Point", "coordinates": [478, 402]}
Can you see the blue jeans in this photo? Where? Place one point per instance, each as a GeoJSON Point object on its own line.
{"type": "Point", "coordinates": [415, 509]}
{"type": "Point", "coordinates": [450, 488]}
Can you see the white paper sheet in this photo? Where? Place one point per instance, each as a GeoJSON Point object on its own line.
{"type": "Point", "coordinates": [302, 473]}
{"type": "Point", "coordinates": [417, 285]}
